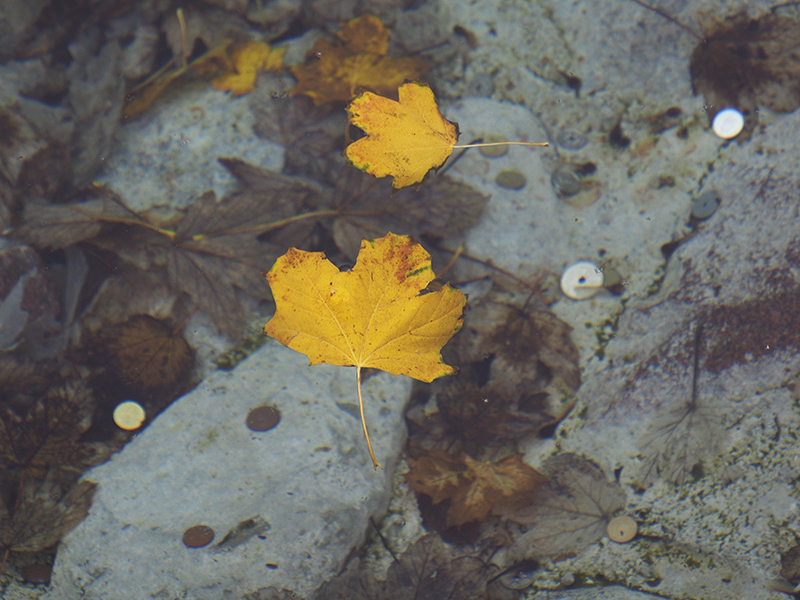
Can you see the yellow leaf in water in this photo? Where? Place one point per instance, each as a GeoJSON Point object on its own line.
{"type": "Point", "coordinates": [405, 139]}
{"type": "Point", "coordinates": [248, 60]}
{"type": "Point", "coordinates": [374, 315]}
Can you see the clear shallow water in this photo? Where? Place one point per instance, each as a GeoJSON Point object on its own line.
{"type": "Point", "coordinates": [667, 397]}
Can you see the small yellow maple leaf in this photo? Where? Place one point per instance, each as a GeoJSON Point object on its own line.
{"type": "Point", "coordinates": [371, 316]}
{"type": "Point", "coordinates": [247, 60]}
{"type": "Point", "coordinates": [474, 488]}
{"type": "Point", "coordinates": [405, 139]}
{"type": "Point", "coordinates": [335, 71]}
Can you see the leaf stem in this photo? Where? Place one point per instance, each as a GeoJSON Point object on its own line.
{"type": "Point", "coordinates": [375, 462]}
{"type": "Point", "coordinates": [503, 144]}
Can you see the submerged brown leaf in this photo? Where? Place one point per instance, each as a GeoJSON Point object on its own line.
{"type": "Point", "coordinates": [367, 209]}
{"type": "Point", "coordinates": [40, 522]}
{"type": "Point", "coordinates": [473, 488]}
{"type": "Point", "coordinates": [56, 226]}
{"type": "Point", "coordinates": [49, 433]}
{"type": "Point", "coordinates": [749, 63]}
{"type": "Point", "coordinates": [216, 248]}
{"type": "Point", "coordinates": [569, 512]}
{"type": "Point", "coordinates": [212, 253]}
{"type": "Point", "coordinates": [146, 353]}
{"type": "Point", "coordinates": [428, 570]}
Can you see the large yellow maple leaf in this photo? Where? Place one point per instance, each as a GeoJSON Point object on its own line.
{"type": "Point", "coordinates": [374, 315]}
{"type": "Point", "coordinates": [357, 59]}
{"type": "Point", "coordinates": [405, 139]}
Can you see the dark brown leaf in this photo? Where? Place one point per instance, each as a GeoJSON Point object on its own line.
{"type": "Point", "coordinates": [39, 522]}
{"type": "Point", "coordinates": [485, 416]}
{"type": "Point", "coordinates": [368, 209]}
{"type": "Point", "coordinates": [48, 435]}
{"type": "Point", "coordinates": [473, 488]}
{"type": "Point", "coordinates": [60, 225]}
{"type": "Point", "coordinates": [749, 63]}
{"type": "Point", "coordinates": [147, 354]}
{"type": "Point", "coordinates": [569, 512]}
{"type": "Point", "coordinates": [428, 570]}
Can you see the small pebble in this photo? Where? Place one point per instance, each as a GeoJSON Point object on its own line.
{"type": "Point", "coordinates": [611, 277]}
{"type": "Point", "coordinates": [728, 123]}
{"type": "Point", "coordinates": [571, 139]}
{"type": "Point", "coordinates": [511, 180]}
{"type": "Point", "coordinates": [129, 415]}
{"type": "Point", "coordinates": [581, 280]}
{"type": "Point", "coordinates": [493, 151]}
{"type": "Point", "coordinates": [263, 418]}
{"type": "Point", "coordinates": [622, 529]}
{"type": "Point", "coordinates": [39, 573]}
{"type": "Point", "coordinates": [520, 576]}
{"type": "Point", "coordinates": [566, 180]}
{"type": "Point", "coordinates": [705, 205]}
{"type": "Point", "coordinates": [198, 536]}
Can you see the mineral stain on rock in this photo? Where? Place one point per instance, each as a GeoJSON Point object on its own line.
{"type": "Point", "coordinates": [751, 329]}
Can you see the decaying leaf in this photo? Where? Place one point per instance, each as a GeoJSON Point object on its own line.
{"type": "Point", "coordinates": [569, 512]}
{"type": "Point", "coordinates": [445, 208]}
{"type": "Point", "coordinates": [357, 59]}
{"type": "Point", "coordinates": [485, 415]}
{"type": "Point", "coordinates": [215, 251]}
{"type": "Point", "coordinates": [145, 353]}
{"type": "Point", "coordinates": [749, 63]}
{"type": "Point", "coordinates": [56, 226]}
{"type": "Point", "coordinates": [680, 441]}
{"type": "Point", "coordinates": [49, 433]}
{"type": "Point", "coordinates": [519, 374]}
{"type": "Point", "coordinates": [428, 569]}
{"type": "Point", "coordinates": [473, 488]}
{"type": "Point", "coordinates": [371, 316]}
{"type": "Point", "coordinates": [528, 345]}
{"type": "Point", "coordinates": [212, 253]}
{"type": "Point", "coordinates": [141, 97]}
{"type": "Point", "coordinates": [405, 139]}
{"type": "Point", "coordinates": [247, 60]}
{"type": "Point", "coordinates": [40, 522]}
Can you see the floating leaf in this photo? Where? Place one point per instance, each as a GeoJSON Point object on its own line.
{"type": "Point", "coordinates": [248, 60]}
{"type": "Point", "coordinates": [569, 512]}
{"type": "Point", "coordinates": [335, 71]}
{"type": "Point", "coordinates": [473, 488]}
{"type": "Point", "coordinates": [405, 139]}
{"type": "Point", "coordinates": [371, 316]}
{"type": "Point", "coordinates": [147, 354]}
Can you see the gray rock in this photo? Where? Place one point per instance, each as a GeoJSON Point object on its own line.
{"type": "Point", "coordinates": [308, 484]}
{"type": "Point", "coordinates": [169, 157]}
{"type": "Point", "coordinates": [612, 592]}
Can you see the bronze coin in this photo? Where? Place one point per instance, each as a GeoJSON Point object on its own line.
{"type": "Point", "coordinates": [263, 418]}
{"type": "Point", "coordinates": [198, 536]}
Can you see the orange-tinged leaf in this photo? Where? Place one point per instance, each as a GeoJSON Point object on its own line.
{"type": "Point", "coordinates": [248, 60]}
{"type": "Point", "coordinates": [405, 139]}
{"type": "Point", "coordinates": [336, 71]}
{"type": "Point", "coordinates": [474, 488]}
{"type": "Point", "coordinates": [372, 316]}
